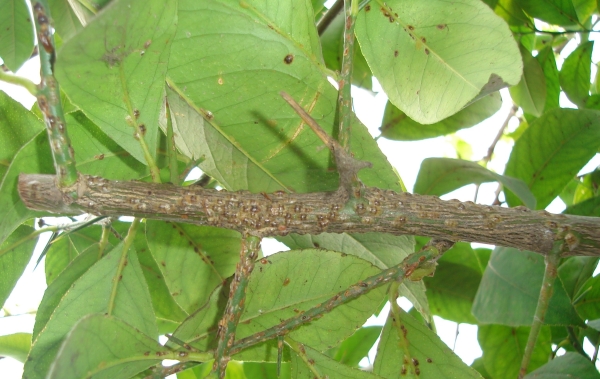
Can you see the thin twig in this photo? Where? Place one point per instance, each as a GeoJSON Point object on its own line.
{"type": "Point", "coordinates": [430, 253]}
{"type": "Point", "coordinates": [235, 304]}
{"type": "Point", "coordinates": [329, 16]}
{"type": "Point", "coordinates": [48, 97]}
{"type": "Point", "coordinates": [552, 260]}
{"type": "Point", "coordinates": [345, 83]}
{"type": "Point", "coordinates": [490, 152]}
{"type": "Point", "coordinates": [19, 81]}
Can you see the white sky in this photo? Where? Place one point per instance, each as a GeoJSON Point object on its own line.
{"type": "Point", "coordinates": [405, 156]}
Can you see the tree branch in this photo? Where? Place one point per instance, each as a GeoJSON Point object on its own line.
{"type": "Point", "coordinates": [312, 213]}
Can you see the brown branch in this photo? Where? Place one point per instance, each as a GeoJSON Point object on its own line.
{"type": "Point", "coordinates": [313, 213]}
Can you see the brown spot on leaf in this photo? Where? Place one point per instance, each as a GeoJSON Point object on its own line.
{"type": "Point", "coordinates": [288, 59]}
{"type": "Point", "coordinates": [286, 282]}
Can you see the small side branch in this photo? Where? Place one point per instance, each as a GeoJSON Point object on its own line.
{"type": "Point", "coordinates": [19, 81]}
{"type": "Point", "coordinates": [552, 260]}
{"type": "Point", "coordinates": [406, 268]}
{"type": "Point", "coordinates": [48, 96]}
{"type": "Point", "coordinates": [235, 304]}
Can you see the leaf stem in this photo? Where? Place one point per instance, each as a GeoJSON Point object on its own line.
{"type": "Point", "coordinates": [235, 304]}
{"type": "Point", "coordinates": [171, 148]}
{"type": "Point", "coordinates": [427, 255]}
{"type": "Point", "coordinates": [118, 275]}
{"type": "Point", "coordinates": [19, 81]}
{"type": "Point", "coordinates": [552, 260]}
{"type": "Point", "coordinates": [48, 97]}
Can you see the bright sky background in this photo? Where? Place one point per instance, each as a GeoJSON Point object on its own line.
{"type": "Point", "coordinates": [405, 156]}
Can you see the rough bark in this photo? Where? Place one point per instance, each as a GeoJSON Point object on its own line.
{"type": "Point", "coordinates": [279, 213]}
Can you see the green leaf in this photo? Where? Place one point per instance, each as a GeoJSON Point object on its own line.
{"type": "Point", "coordinates": [570, 365]}
{"type": "Point", "coordinates": [193, 259]}
{"type": "Point", "coordinates": [547, 61]}
{"type": "Point", "coordinates": [288, 283]}
{"type": "Point", "coordinates": [382, 250]}
{"type": "Point", "coordinates": [530, 92]}
{"type": "Point", "coordinates": [575, 271]}
{"type": "Point", "coordinates": [15, 346]}
{"type": "Point", "coordinates": [332, 41]}
{"type": "Point", "coordinates": [589, 207]}
{"type": "Point", "coordinates": [439, 176]}
{"type": "Point", "coordinates": [398, 126]}
{"type": "Point", "coordinates": [90, 350]}
{"type": "Point", "coordinates": [164, 305]}
{"type": "Point", "coordinates": [558, 12]}
{"type": "Point", "coordinates": [427, 352]}
{"type": "Point", "coordinates": [587, 299]}
{"type": "Point", "coordinates": [15, 253]}
{"type": "Point", "coordinates": [452, 289]}
{"type": "Point", "coordinates": [264, 370]}
{"type": "Point", "coordinates": [433, 58]}
{"type": "Point", "coordinates": [325, 366]}
{"type": "Point", "coordinates": [512, 12]}
{"type": "Point", "coordinates": [584, 9]}
{"type": "Point", "coordinates": [16, 34]}
{"type": "Point", "coordinates": [503, 348]}
{"type": "Point", "coordinates": [478, 365]}
{"type": "Point", "coordinates": [551, 152]}
{"type": "Point", "coordinates": [510, 288]}
{"type": "Point", "coordinates": [114, 69]}
{"type": "Point", "coordinates": [575, 74]}
{"type": "Point", "coordinates": [66, 20]}
{"type": "Point", "coordinates": [356, 347]}
{"type": "Point", "coordinates": [93, 293]}
{"type": "Point", "coordinates": [253, 42]}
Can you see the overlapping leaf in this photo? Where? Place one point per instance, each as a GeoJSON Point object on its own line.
{"type": "Point", "coordinates": [559, 12]}
{"type": "Point", "coordinates": [570, 365]}
{"type": "Point", "coordinates": [530, 92]}
{"type": "Point", "coordinates": [575, 74]}
{"type": "Point", "coordinates": [114, 69]}
{"type": "Point", "coordinates": [510, 288]}
{"type": "Point", "coordinates": [426, 352]}
{"type": "Point", "coordinates": [16, 34]}
{"type": "Point", "coordinates": [109, 286]}
{"type": "Point", "coordinates": [551, 152]}
{"type": "Point", "coordinates": [15, 253]}
{"type": "Point", "coordinates": [439, 176]}
{"type": "Point", "coordinates": [433, 58]}
{"type": "Point", "coordinates": [249, 53]}
{"type": "Point", "coordinates": [15, 346]}
{"type": "Point", "coordinates": [397, 125]}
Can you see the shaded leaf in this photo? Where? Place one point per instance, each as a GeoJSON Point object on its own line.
{"type": "Point", "coordinates": [510, 288]}
{"type": "Point", "coordinates": [439, 176]}
{"type": "Point", "coordinates": [253, 42]}
{"type": "Point", "coordinates": [570, 365]}
{"type": "Point", "coordinates": [264, 370]}
{"type": "Point", "coordinates": [66, 20]}
{"type": "Point", "coordinates": [547, 61]}
{"type": "Point", "coordinates": [325, 366]}
{"type": "Point", "coordinates": [575, 74]}
{"type": "Point", "coordinates": [589, 207]}
{"type": "Point", "coordinates": [558, 12]}
{"type": "Point", "coordinates": [15, 253]}
{"type": "Point", "coordinates": [551, 152]}
{"type": "Point", "coordinates": [503, 348]}
{"type": "Point", "coordinates": [288, 283]}
{"type": "Point", "coordinates": [193, 259]}
{"type": "Point", "coordinates": [93, 293]}
{"type": "Point", "coordinates": [530, 92]}
{"type": "Point", "coordinates": [427, 352]}
{"type": "Point", "coordinates": [398, 126]}
{"type": "Point", "coordinates": [90, 350]}
{"type": "Point", "coordinates": [16, 34]}
{"type": "Point", "coordinates": [587, 299]}
{"type": "Point", "coordinates": [15, 346]}
{"type": "Point", "coordinates": [435, 57]}
{"type": "Point", "coordinates": [575, 271]}
{"type": "Point", "coordinates": [356, 347]}
{"type": "Point", "coordinates": [452, 289]}
{"type": "Point", "coordinates": [123, 60]}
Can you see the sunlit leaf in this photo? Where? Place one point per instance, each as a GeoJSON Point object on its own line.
{"type": "Point", "coordinates": [428, 354]}
{"type": "Point", "coordinates": [433, 58]}
{"type": "Point", "coordinates": [15, 346]}
{"type": "Point", "coordinates": [99, 290]}
{"type": "Point", "coordinates": [551, 152]}
{"type": "Point", "coordinates": [439, 176]}
{"type": "Point", "coordinates": [503, 349]}
{"type": "Point", "coordinates": [90, 350]}
{"type": "Point", "coordinates": [510, 288]}
{"type": "Point", "coordinates": [16, 34]}
{"type": "Point", "coordinates": [397, 125]}
{"type": "Point", "coordinates": [114, 69]}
